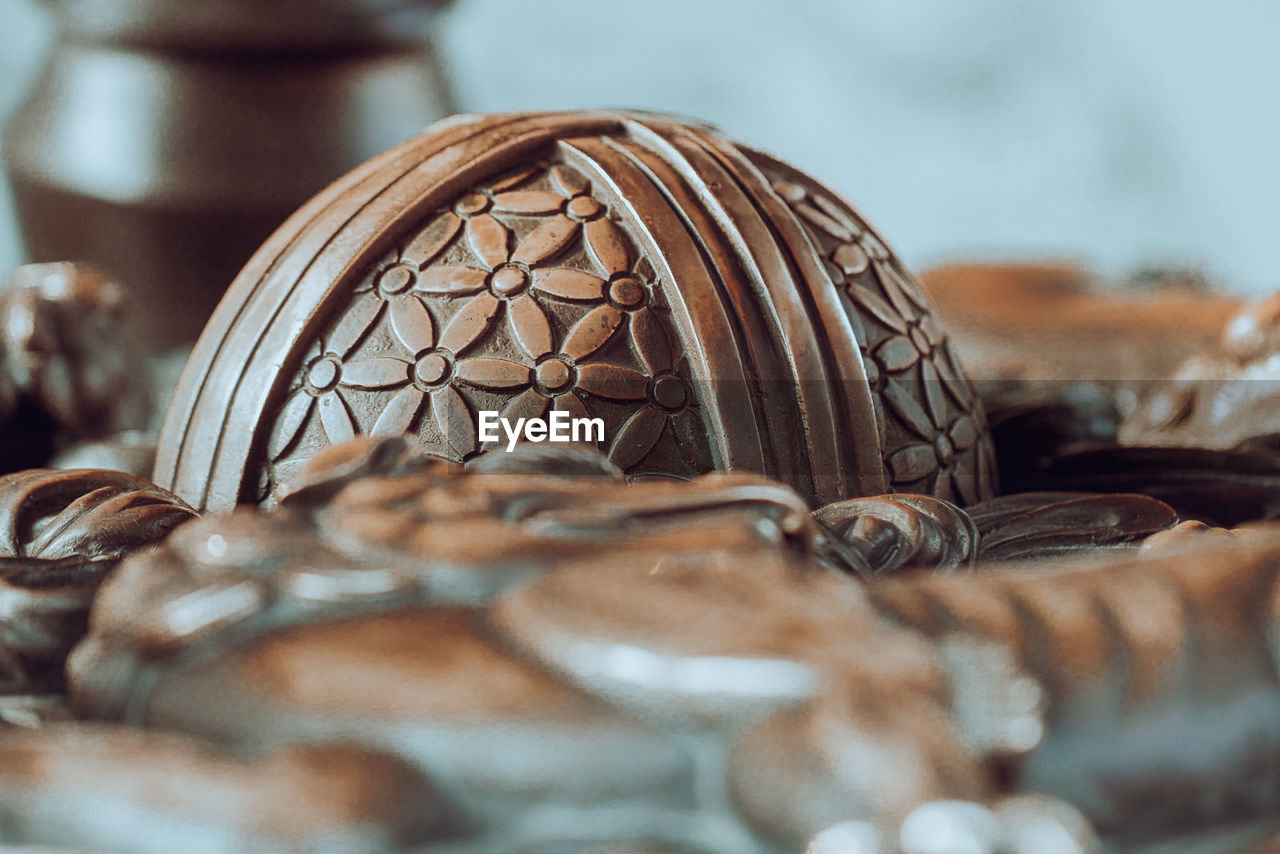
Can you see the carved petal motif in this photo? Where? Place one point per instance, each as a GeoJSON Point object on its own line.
{"type": "Point", "coordinates": [412, 324]}
{"type": "Point", "coordinates": [908, 408]}
{"type": "Point", "coordinates": [432, 240]}
{"type": "Point", "coordinates": [399, 413]}
{"type": "Point", "coordinates": [291, 419]}
{"type": "Point", "coordinates": [488, 239]}
{"type": "Point", "coordinates": [378, 372]}
{"type": "Point", "coordinates": [451, 280]}
{"type": "Point", "coordinates": [546, 240]}
{"type": "Point", "coordinates": [571, 404]}
{"type": "Point", "coordinates": [612, 381]}
{"type": "Point", "coordinates": [592, 331]}
{"type": "Point", "coordinates": [528, 202]}
{"type": "Point", "coordinates": [528, 404]}
{"type": "Point", "coordinates": [336, 418]}
{"type": "Point", "coordinates": [492, 373]}
{"type": "Point", "coordinates": [470, 323]}
{"type": "Point", "coordinates": [607, 246]}
{"type": "Point", "coordinates": [821, 220]}
{"type": "Point", "coordinates": [637, 437]}
{"type": "Point", "coordinates": [912, 462]}
{"type": "Point", "coordinates": [568, 284]}
{"type": "Point", "coordinates": [897, 354]}
{"type": "Point", "coordinates": [568, 182]}
{"type": "Point", "coordinates": [877, 307]}
{"type": "Point", "coordinates": [453, 417]}
{"type": "Point", "coordinates": [354, 324]}
{"type": "Point", "coordinates": [530, 325]}
{"type": "Point", "coordinates": [650, 342]}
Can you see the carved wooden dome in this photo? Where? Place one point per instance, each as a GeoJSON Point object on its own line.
{"type": "Point", "coordinates": [713, 306]}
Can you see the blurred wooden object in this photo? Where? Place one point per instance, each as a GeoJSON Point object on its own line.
{"type": "Point", "coordinates": [1223, 396]}
{"type": "Point", "coordinates": [165, 140]}
{"type": "Point", "coordinates": [68, 371]}
{"type": "Point", "coordinates": [1058, 322]}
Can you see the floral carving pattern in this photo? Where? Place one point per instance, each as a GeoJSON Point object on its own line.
{"type": "Point", "coordinates": [523, 296]}
{"type": "Point", "coordinates": [932, 429]}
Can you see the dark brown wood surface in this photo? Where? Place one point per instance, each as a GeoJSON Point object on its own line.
{"type": "Point", "coordinates": [717, 309]}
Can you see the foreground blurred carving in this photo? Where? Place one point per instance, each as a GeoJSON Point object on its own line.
{"type": "Point", "coordinates": [61, 532]}
{"type": "Point", "coordinates": [576, 663]}
{"type": "Point", "coordinates": [106, 788]}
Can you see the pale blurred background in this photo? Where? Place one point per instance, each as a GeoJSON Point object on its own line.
{"type": "Point", "coordinates": [1126, 135]}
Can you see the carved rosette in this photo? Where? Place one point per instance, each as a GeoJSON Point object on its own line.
{"type": "Point", "coordinates": [626, 267]}
{"type": "Point", "coordinates": [521, 297]}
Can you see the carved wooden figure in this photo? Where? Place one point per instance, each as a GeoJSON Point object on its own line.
{"type": "Point", "coordinates": [714, 307]}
